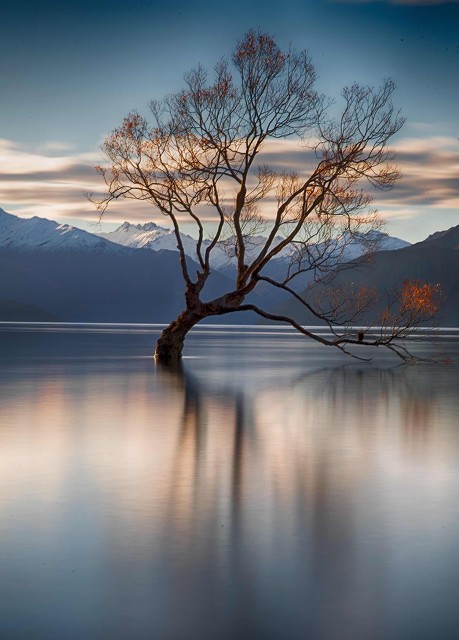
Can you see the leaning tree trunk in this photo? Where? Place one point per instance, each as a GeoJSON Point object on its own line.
{"type": "Point", "coordinates": [170, 343]}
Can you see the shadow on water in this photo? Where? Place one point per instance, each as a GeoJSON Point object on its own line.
{"type": "Point", "coordinates": [246, 494]}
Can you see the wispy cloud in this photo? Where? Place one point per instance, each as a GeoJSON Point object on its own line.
{"type": "Point", "coordinates": [49, 181]}
{"type": "Point", "coordinates": [430, 173]}
{"type": "Point", "coordinates": [52, 182]}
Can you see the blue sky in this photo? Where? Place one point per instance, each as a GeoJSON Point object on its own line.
{"type": "Point", "coordinates": [70, 71]}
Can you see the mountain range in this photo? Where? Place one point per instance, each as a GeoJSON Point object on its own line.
{"type": "Point", "coordinates": [132, 274]}
{"type": "Point", "coordinates": [77, 276]}
{"type": "Point", "coordinates": [155, 237]}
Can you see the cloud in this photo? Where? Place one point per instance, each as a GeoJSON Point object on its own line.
{"type": "Point", "coordinates": [17, 158]}
{"type": "Point", "coordinates": [49, 181]}
{"type": "Point", "coordinates": [52, 182]}
{"type": "Point", "coordinates": [71, 172]}
{"type": "Point", "coordinates": [430, 173]}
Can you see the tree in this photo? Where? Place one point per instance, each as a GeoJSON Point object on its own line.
{"type": "Point", "coordinates": [205, 152]}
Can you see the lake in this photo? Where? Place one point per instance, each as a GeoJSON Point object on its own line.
{"type": "Point", "coordinates": [271, 489]}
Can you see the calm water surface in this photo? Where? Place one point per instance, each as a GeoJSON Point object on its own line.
{"type": "Point", "coordinates": [271, 490]}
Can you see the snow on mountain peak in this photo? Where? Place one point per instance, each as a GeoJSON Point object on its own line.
{"type": "Point", "coordinates": [149, 236]}
{"type": "Point", "coordinates": [40, 233]}
{"type": "Point", "coordinates": [44, 234]}
{"type": "Point", "coordinates": [152, 236]}
{"type": "Point", "coordinates": [128, 227]}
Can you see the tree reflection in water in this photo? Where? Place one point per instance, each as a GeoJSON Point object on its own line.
{"type": "Point", "coordinates": [325, 482]}
{"type": "Point", "coordinates": [226, 500]}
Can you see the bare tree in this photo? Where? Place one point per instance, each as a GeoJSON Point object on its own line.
{"type": "Point", "coordinates": [203, 155]}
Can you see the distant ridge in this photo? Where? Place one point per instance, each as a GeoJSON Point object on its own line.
{"type": "Point", "coordinates": [434, 260]}
{"type": "Point", "coordinates": [448, 239]}
{"type": "Point", "coordinates": [11, 311]}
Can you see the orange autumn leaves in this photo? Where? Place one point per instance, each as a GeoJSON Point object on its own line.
{"type": "Point", "coordinates": [420, 298]}
{"type": "Point", "coordinates": [417, 302]}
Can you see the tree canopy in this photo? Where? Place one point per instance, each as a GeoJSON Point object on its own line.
{"type": "Point", "coordinates": [206, 156]}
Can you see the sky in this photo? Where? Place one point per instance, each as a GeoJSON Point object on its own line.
{"type": "Point", "coordinates": [71, 70]}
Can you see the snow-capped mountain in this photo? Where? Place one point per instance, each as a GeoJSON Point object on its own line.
{"type": "Point", "coordinates": [350, 247]}
{"type": "Point", "coordinates": [224, 257]}
{"type": "Point", "coordinates": [43, 234]}
{"type": "Point", "coordinates": [75, 276]}
{"type": "Point", "coordinates": [79, 276]}
{"type": "Point", "coordinates": [149, 236]}
{"type": "Point", "coordinates": [155, 237]}
{"type": "Point", "coordinates": [392, 243]}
